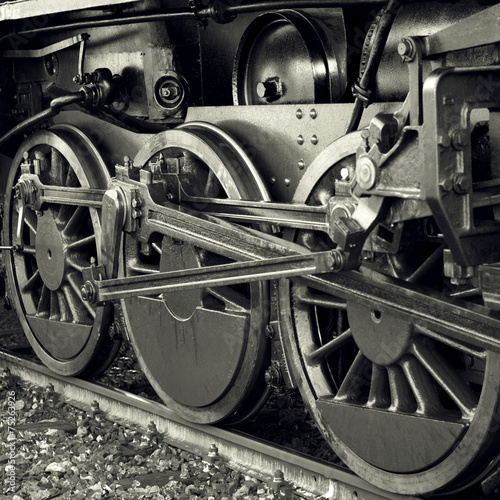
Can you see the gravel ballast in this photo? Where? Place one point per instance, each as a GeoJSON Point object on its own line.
{"type": "Point", "coordinates": [53, 450]}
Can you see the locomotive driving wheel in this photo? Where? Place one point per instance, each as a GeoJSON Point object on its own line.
{"type": "Point", "coordinates": [44, 276]}
{"type": "Point", "coordinates": [203, 350]}
{"type": "Point", "coordinates": [403, 405]}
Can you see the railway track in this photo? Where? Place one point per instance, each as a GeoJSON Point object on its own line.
{"type": "Point", "coordinates": [308, 478]}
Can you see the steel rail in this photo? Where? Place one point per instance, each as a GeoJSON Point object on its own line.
{"type": "Point", "coordinates": [241, 452]}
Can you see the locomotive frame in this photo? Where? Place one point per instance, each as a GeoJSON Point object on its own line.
{"type": "Point", "coordinates": [256, 194]}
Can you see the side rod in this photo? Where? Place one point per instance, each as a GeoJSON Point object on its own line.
{"type": "Point", "coordinates": [101, 291]}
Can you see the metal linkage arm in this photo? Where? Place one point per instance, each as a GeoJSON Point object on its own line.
{"type": "Point", "coordinates": [473, 31]}
{"type": "Point", "coordinates": [36, 194]}
{"type": "Point", "coordinates": [281, 214]}
{"type": "Point", "coordinates": [101, 291]}
{"type": "Point", "coordinates": [262, 256]}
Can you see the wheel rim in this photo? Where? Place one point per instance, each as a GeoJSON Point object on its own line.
{"type": "Point", "coordinates": [44, 279]}
{"type": "Point", "coordinates": [202, 350]}
{"type": "Point", "coordinates": [399, 404]}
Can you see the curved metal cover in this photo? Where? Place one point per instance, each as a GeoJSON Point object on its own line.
{"type": "Point", "coordinates": [20, 9]}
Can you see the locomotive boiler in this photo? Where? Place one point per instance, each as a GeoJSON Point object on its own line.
{"type": "Point", "coordinates": [260, 194]}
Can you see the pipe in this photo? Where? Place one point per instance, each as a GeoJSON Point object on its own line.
{"type": "Point", "coordinates": [54, 108]}
{"type": "Point", "coordinates": [210, 12]}
{"type": "Point", "coordinates": [138, 124]}
{"type": "Point", "coordinates": [366, 80]}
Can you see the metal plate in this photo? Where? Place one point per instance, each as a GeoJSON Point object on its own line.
{"type": "Point", "coordinates": [29, 8]}
{"type": "Point", "coordinates": [283, 140]}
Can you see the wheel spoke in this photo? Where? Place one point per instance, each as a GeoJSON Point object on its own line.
{"type": "Point", "coordinates": [43, 308]}
{"type": "Point", "coordinates": [76, 282]}
{"type": "Point", "coordinates": [402, 399]}
{"type": "Point", "coordinates": [319, 354]}
{"type": "Point", "coordinates": [71, 179]}
{"type": "Point", "coordinates": [82, 242]}
{"type": "Point", "coordinates": [450, 342]}
{"type": "Point", "coordinates": [424, 390]}
{"type": "Point", "coordinates": [446, 377]}
{"type": "Point", "coordinates": [30, 220]}
{"type": "Point", "coordinates": [78, 263]}
{"type": "Point", "coordinates": [63, 306]}
{"type": "Point", "coordinates": [78, 311]}
{"type": "Point", "coordinates": [58, 168]}
{"type": "Point", "coordinates": [54, 307]}
{"type": "Point", "coordinates": [379, 396]}
{"type": "Point", "coordinates": [34, 282]}
{"type": "Point", "coordinates": [356, 379]}
{"type": "Point", "coordinates": [64, 214]}
{"type": "Point", "coordinates": [74, 223]}
{"type": "Point", "coordinates": [232, 300]}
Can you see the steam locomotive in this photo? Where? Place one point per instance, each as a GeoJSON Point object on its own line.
{"type": "Point", "coordinates": [259, 194]}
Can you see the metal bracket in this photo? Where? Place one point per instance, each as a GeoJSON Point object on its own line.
{"type": "Point", "coordinates": [49, 49]}
{"type": "Point", "coordinates": [473, 31]}
{"type": "Point", "coordinates": [450, 96]}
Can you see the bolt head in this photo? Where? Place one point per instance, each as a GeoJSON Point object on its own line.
{"type": "Point", "coordinates": [461, 183]}
{"type": "Point", "coordinates": [271, 89]}
{"type": "Point", "coordinates": [446, 185]}
{"type": "Point", "coordinates": [87, 292]}
{"type": "Point", "coordinates": [406, 50]}
{"type": "Point", "coordinates": [366, 172]}
{"type": "Point", "coordinates": [344, 174]}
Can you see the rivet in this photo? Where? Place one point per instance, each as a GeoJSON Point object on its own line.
{"type": "Point", "coordinates": [313, 114]}
{"type": "Point", "coordinates": [300, 140]}
{"type": "Point", "coordinates": [273, 180]}
{"type": "Point", "coordinates": [302, 164]}
{"type": "Point", "coordinates": [299, 114]}
{"type": "Point", "coordinates": [314, 139]}
{"type": "Point", "coordinates": [287, 182]}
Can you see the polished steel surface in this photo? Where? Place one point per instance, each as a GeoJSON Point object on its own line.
{"type": "Point", "coordinates": [300, 195]}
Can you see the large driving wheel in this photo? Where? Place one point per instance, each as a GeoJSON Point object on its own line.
{"type": "Point", "coordinates": [203, 350]}
{"type": "Point", "coordinates": [44, 277]}
{"type": "Point", "coordinates": [402, 404]}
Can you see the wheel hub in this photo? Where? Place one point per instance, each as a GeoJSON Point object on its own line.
{"type": "Point", "coordinates": [381, 337]}
{"type": "Point", "coordinates": [50, 251]}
